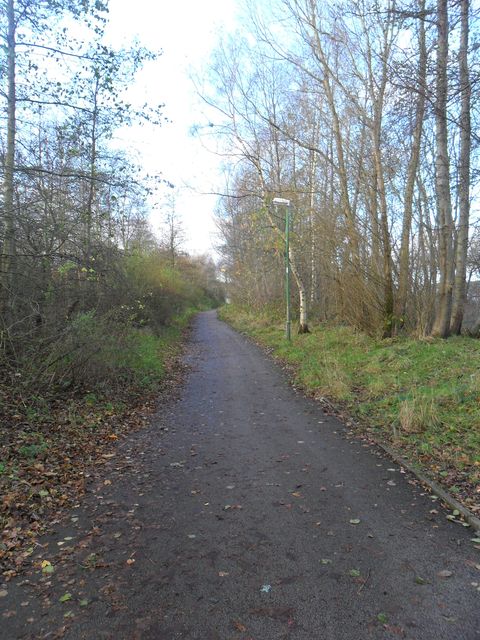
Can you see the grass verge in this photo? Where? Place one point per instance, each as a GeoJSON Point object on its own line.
{"type": "Point", "coordinates": [420, 396]}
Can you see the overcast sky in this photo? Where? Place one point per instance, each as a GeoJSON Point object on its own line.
{"type": "Point", "coordinates": [187, 32]}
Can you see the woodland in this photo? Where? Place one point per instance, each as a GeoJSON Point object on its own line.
{"type": "Point", "coordinates": [364, 116]}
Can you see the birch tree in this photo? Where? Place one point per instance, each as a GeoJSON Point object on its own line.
{"type": "Point", "coordinates": [459, 285]}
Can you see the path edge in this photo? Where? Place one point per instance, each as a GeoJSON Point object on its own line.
{"type": "Point", "coordinates": [422, 477]}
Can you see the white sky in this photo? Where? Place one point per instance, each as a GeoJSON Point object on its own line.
{"type": "Point", "coordinates": [187, 32]}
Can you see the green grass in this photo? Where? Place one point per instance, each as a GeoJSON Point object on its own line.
{"type": "Point", "coordinates": [422, 395]}
{"type": "Point", "coordinates": [139, 358]}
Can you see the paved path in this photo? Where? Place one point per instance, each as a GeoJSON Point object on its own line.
{"type": "Point", "coordinates": [244, 512]}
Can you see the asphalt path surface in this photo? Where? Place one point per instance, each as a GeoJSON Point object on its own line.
{"type": "Point", "coordinates": [245, 512]}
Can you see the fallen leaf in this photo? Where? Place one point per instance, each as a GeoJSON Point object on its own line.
{"type": "Point", "coordinates": [240, 627]}
{"type": "Point", "coordinates": [47, 567]}
{"type": "Point", "coordinates": [445, 573]}
{"type": "Point", "coordinates": [66, 597]}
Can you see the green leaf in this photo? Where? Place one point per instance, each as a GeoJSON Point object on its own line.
{"type": "Point", "coordinates": [355, 573]}
{"type": "Point", "coordinates": [354, 521]}
{"type": "Point", "coordinates": [476, 540]}
{"type": "Point", "coordinates": [84, 602]}
{"type": "Point", "coordinates": [420, 580]}
{"type": "Point", "coordinates": [383, 618]}
{"type": "Point", "coordinates": [325, 561]}
{"type": "Point", "coordinates": [66, 597]}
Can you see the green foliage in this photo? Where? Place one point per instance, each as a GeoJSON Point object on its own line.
{"type": "Point", "coordinates": [162, 293]}
{"type": "Point", "coordinates": [35, 448]}
{"type": "Point", "coordinates": [66, 267]}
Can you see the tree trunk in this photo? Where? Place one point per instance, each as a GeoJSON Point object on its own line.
{"type": "Point", "coordinates": [459, 287]}
{"type": "Point", "coordinates": [339, 143]}
{"type": "Point", "coordinates": [92, 171]}
{"type": "Point", "coordinates": [441, 326]}
{"type": "Point", "coordinates": [302, 293]}
{"type": "Point", "coordinates": [404, 260]}
{"type": "Point", "coordinates": [302, 290]}
{"type": "Point", "coordinates": [7, 258]}
{"type": "Point", "coordinates": [387, 251]}
{"type": "Point", "coordinates": [313, 234]}
{"type": "Point", "coordinates": [377, 87]}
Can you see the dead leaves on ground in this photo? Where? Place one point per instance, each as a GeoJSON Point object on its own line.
{"type": "Point", "coordinates": [46, 460]}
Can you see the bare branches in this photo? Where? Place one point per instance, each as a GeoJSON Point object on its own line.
{"type": "Point", "coordinates": [336, 108]}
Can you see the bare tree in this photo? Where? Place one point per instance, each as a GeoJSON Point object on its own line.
{"type": "Point", "coordinates": [7, 264]}
{"type": "Point", "coordinates": [459, 286]}
{"type": "Point", "coordinates": [173, 233]}
{"type": "Point", "coordinates": [441, 326]}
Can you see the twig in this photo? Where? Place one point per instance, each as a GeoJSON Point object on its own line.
{"type": "Point", "coordinates": [364, 582]}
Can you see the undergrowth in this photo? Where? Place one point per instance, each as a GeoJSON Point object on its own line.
{"type": "Point", "coordinates": [49, 435]}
